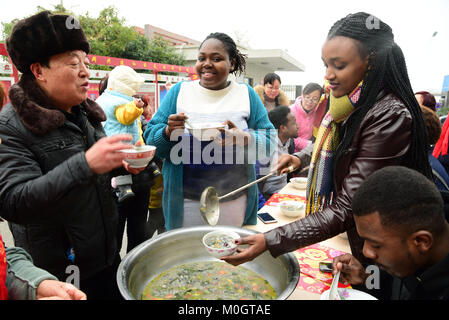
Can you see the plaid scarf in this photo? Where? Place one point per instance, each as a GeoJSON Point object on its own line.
{"type": "Point", "coordinates": [320, 178]}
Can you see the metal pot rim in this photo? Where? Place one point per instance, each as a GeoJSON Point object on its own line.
{"type": "Point", "coordinates": [129, 260]}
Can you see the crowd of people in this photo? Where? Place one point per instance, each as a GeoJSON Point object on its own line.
{"type": "Point", "coordinates": [376, 154]}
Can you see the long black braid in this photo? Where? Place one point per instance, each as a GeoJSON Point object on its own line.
{"type": "Point", "coordinates": [386, 70]}
{"type": "Point", "coordinates": [230, 46]}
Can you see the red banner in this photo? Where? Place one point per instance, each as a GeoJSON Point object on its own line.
{"type": "Point", "coordinates": [136, 64]}
{"type": "Point", "coordinates": [3, 51]}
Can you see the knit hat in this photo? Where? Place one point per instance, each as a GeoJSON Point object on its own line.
{"type": "Point", "coordinates": [124, 80]}
{"type": "Point", "coordinates": [42, 35]}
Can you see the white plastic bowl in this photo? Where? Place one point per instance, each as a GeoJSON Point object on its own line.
{"type": "Point", "coordinates": [224, 250]}
{"type": "Point", "coordinates": [139, 157]}
{"type": "Point", "coordinates": [299, 182]}
{"type": "Point", "coordinates": [205, 131]}
{"type": "Point", "coordinates": [292, 209]}
{"type": "Point", "coordinates": [343, 235]}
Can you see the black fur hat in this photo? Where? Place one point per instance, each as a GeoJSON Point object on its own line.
{"type": "Point", "coordinates": [38, 37]}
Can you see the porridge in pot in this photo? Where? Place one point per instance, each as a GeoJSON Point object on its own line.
{"type": "Point", "coordinates": [208, 280]}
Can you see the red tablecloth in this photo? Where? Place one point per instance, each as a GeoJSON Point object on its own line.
{"type": "Point", "coordinates": [276, 198]}
{"type": "Point", "coordinates": [311, 278]}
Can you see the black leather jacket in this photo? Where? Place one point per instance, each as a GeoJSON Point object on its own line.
{"type": "Point", "coordinates": [47, 186]}
{"type": "Point", "coordinates": [383, 139]}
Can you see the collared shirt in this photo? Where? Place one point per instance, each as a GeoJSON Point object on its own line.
{"type": "Point", "coordinates": [274, 183]}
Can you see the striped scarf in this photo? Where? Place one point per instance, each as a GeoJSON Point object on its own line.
{"type": "Point", "coordinates": [320, 178]}
{"type": "Point", "coordinates": [321, 108]}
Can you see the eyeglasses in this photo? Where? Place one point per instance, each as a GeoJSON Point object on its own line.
{"type": "Point", "coordinates": [308, 99]}
{"type": "Point", "coordinates": [272, 88]}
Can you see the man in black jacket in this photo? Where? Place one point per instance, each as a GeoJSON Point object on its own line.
{"type": "Point", "coordinates": [399, 214]}
{"type": "Point", "coordinates": [55, 158]}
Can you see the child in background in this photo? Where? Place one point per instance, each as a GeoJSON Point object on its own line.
{"type": "Point", "coordinates": [156, 221]}
{"type": "Point", "coordinates": [123, 112]}
{"type": "Point", "coordinates": [285, 123]}
{"type": "Point", "coordinates": [145, 113]}
{"type": "Point", "coordinates": [156, 218]}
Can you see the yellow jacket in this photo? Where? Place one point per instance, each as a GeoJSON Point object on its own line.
{"type": "Point", "coordinates": [128, 113]}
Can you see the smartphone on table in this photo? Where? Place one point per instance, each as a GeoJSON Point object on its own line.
{"type": "Point", "coordinates": [325, 266]}
{"type": "Point", "coordinates": [265, 217]}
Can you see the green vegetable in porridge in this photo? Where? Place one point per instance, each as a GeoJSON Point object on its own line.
{"type": "Point", "coordinates": [220, 242]}
{"type": "Point", "coordinates": [208, 280]}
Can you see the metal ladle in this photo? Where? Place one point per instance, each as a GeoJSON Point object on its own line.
{"type": "Point", "coordinates": [210, 201]}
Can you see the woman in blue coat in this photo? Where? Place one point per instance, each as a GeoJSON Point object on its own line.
{"type": "Point", "coordinates": [192, 165]}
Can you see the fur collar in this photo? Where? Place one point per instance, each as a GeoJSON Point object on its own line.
{"type": "Point", "coordinates": [282, 99]}
{"type": "Point", "coordinates": [37, 112]}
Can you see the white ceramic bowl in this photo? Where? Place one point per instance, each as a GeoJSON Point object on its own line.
{"type": "Point", "coordinates": [299, 182]}
{"type": "Point", "coordinates": [220, 243]}
{"type": "Point", "coordinates": [348, 294]}
{"type": "Point", "coordinates": [205, 131]}
{"type": "Point", "coordinates": [343, 235]}
{"type": "Point", "coordinates": [292, 209]}
{"type": "Point", "coordinates": [139, 157]}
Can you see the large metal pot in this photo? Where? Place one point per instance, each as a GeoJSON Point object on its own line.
{"type": "Point", "coordinates": [184, 245]}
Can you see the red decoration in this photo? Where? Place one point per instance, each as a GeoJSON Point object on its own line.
{"type": "Point", "coordinates": [137, 64]}
{"type": "Point", "coordinates": [3, 268]}
{"type": "Point", "coordinates": [277, 198]}
{"type": "Point", "coordinates": [311, 278]}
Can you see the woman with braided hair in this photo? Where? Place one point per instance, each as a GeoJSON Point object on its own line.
{"type": "Point", "coordinates": [373, 121]}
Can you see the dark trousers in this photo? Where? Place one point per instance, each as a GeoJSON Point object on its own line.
{"type": "Point", "coordinates": [133, 212]}
{"type": "Point", "coordinates": [156, 221]}
{"type": "Point", "coordinates": [103, 285]}
{"type": "Point", "coordinates": [100, 286]}
{"type": "Point", "coordinates": [19, 234]}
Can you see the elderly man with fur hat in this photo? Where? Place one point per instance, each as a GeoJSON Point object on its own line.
{"type": "Point", "coordinates": [55, 158]}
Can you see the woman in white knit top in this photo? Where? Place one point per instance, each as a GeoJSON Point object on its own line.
{"type": "Point", "coordinates": [212, 98]}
